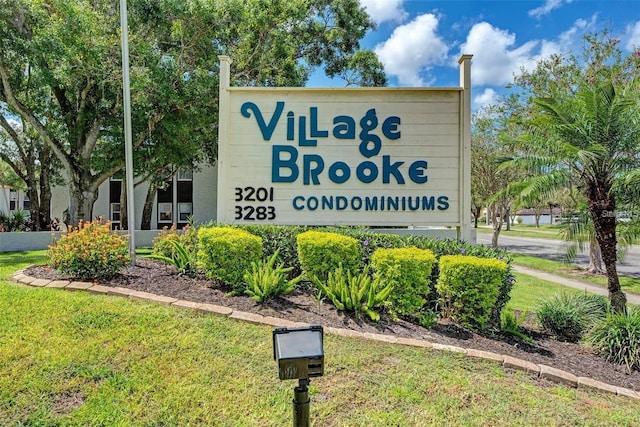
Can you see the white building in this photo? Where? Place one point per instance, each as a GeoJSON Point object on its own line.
{"type": "Point", "coordinates": [12, 200]}
{"type": "Point", "coordinates": [185, 194]}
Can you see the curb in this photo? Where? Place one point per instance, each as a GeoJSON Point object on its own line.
{"type": "Point", "coordinates": [508, 362]}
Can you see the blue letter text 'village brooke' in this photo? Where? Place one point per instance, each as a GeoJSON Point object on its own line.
{"type": "Point", "coordinates": [296, 159]}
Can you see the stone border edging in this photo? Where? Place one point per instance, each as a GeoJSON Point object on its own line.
{"type": "Point", "coordinates": [509, 362]}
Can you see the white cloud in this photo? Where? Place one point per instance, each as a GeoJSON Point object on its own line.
{"type": "Point", "coordinates": [413, 48]}
{"type": "Point", "coordinates": [385, 10]}
{"type": "Point", "coordinates": [569, 40]}
{"type": "Point", "coordinates": [487, 97]}
{"type": "Point", "coordinates": [495, 56]}
{"type": "Point", "coordinates": [633, 34]}
{"type": "Point", "coordinates": [545, 9]}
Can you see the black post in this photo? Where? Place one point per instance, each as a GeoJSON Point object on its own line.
{"type": "Point", "coordinates": [301, 403]}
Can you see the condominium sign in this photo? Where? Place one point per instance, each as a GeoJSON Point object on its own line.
{"type": "Point", "coordinates": [352, 156]}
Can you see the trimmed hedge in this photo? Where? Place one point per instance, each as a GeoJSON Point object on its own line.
{"type": "Point", "coordinates": [469, 287]}
{"type": "Point", "coordinates": [370, 241]}
{"type": "Point", "coordinates": [321, 252]}
{"type": "Point", "coordinates": [225, 253]}
{"type": "Point", "coordinates": [409, 270]}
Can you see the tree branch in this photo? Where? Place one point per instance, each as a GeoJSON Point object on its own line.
{"type": "Point", "coordinates": [27, 114]}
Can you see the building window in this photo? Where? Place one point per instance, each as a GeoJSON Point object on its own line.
{"type": "Point", "coordinates": [13, 200]}
{"type": "Point", "coordinates": [185, 175]}
{"type": "Point", "coordinates": [165, 212]}
{"type": "Point", "coordinates": [176, 196]}
{"type": "Point", "coordinates": [185, 210]}
{"type": "Point", "coordinates": [26, 203]}
{"type": "Point", "coordinates": [115, 210]}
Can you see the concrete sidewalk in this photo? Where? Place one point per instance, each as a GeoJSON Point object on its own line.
{"type": "Point", "coordinates": [573, 283]}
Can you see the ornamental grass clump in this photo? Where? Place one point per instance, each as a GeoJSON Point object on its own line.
{"type": "Point", "coordinates": [178, 248]}
{"type": "Point", "coordinates": [570, 316]}
{"type": "Point", "coordinates": [355, 292]}
{"type": "Point", "coordinates": [617, 338]}
{"type": "Point", "coordinates": [267, 280]}
{"type": "Point", "coordinates": [90, 251]}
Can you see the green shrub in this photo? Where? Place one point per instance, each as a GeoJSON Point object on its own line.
{"type": "Point", "coordinates": [280, 238]}
{"type": "Point", "coordinates": [91, 251]}
{"type": "Point", "coordinates": [409, 270]}
{"type": "Point", "coordinates": [569, 316]}
{"type": "Point", "coordinates": [371, 240]}
{"type": "Point", "coordinates": [321, 252]}
{"type": "Point", "coordinates": [617, 338]}
{"type": "Point", "coordinates": [468, 288]}
{"type": "Point", "coordinates": [265, 281]}
{"type": "Point", "coordinates": [355, 292]}
{"type": "Point", "coordinates": [225, 253]}
{"type": "Point", "coordinates": [187, 237]}
{"type": "Point", "coordinates": [183, 259]}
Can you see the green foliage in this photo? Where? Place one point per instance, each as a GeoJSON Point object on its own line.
{"type": "Point", "coordinates": [617, 338]}
{"type": "Point", "coordinates": [371, 240]}
{"type": "Point", "coordinates": [265, 281]}
{"type": "Point", "coordinates": [183, 259]}
{"type": "Point", "coordinates": [178, 248]}
{"type": "Point", "coordinates": [16, 221]}
{"type": "Point", "coordinates": [428, 318]}
{"type": "Point", "coordinates": [162, 244]}
{"type": "Point", "coordinates": [510, 323]}
{"type": "Point", "coordinates": [322, 252]}
{"type": "Point", "coordinates": [570, 316]}
{"type": "Point", "coordinates": [280, 238]}
{"type": "Point", "coordinates": [355, 292]}
{"type": "Point", "coordinates": [225, 253]}
{"type": "Point", "coordinates": [91, 251]}
{"type": "Point", "coordinates": [469, 287]}
{"type": "Point", "coordinates": [409, 270]}
{"type": "Point", "coordinates": [70, 53]}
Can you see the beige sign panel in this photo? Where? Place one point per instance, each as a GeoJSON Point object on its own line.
{"type": "Point", "coordinates": [352, 156]}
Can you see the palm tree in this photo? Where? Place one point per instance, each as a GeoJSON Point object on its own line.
{"type": "Point", "coordinates": [594, 137]}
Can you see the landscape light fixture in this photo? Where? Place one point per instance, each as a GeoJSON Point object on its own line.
{"type": "Point", "coordinates": [300, 355]}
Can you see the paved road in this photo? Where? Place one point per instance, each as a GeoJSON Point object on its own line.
{"type": "Point", "coordinates": [556, 249]}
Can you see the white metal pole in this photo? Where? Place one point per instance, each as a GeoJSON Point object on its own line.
{"type": "Point", "coordinates": [128, 148]}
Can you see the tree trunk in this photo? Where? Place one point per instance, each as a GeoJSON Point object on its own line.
{"type": "Point", "coordinates": [81, 200]}
{"type": "Point", "coordinates": [34, 207]}
{"type": "Point", "coordinates": [147, 210]}
{"type": "Point", "coordinates": [595, 257]}
{"type": "Point", "coordinates": [602, 207]}
{"type": "Point", "coordinates": [498, 216]}
{"type": "Point", "coordinates": [46, 158]}
{"type": "Point", "coordinates": [476, 214]}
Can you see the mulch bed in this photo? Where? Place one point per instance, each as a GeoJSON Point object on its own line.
{"type": "Point", "coordinates": [158, 278]}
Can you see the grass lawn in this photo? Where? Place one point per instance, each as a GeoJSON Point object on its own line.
{"type": "Point", "coordinates": [545, 231]}
{"type": "Point", "coordinates": [73, 358]}
{"type": "Point", "coordinates": [629, 284]}
{"type": "Point", "coordinates": [529, 291]}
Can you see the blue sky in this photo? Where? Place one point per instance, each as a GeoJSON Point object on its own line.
{"type": "Point", "coordinates": [419, 41]}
